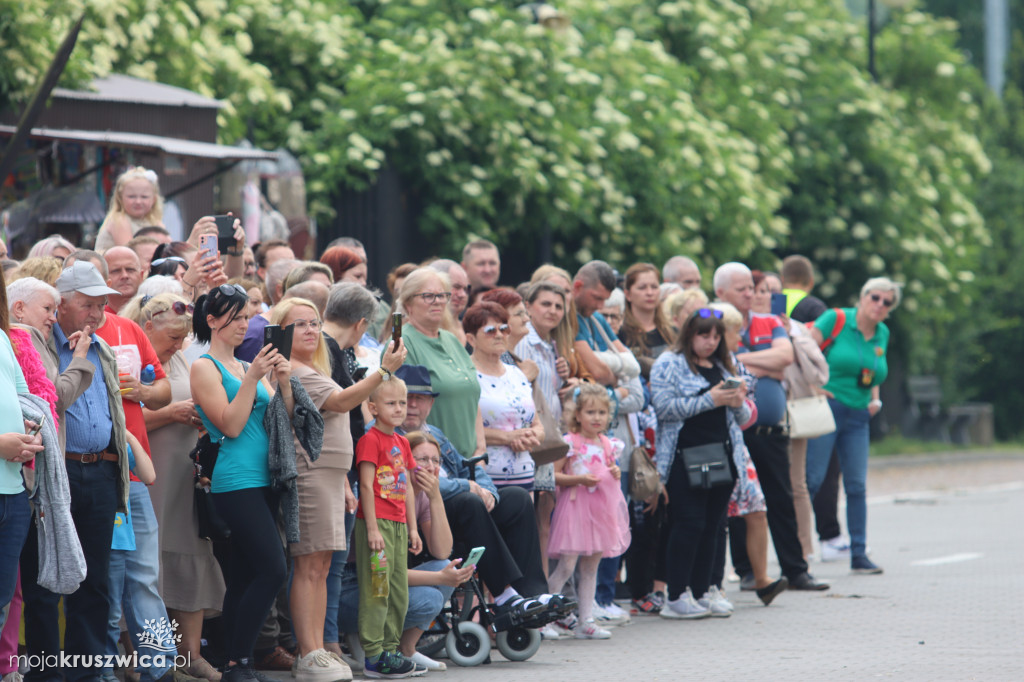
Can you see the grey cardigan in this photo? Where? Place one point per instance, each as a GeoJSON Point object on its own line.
{"type": "Point", "coordinates": [309, 429]}
{"type": "Point", "coordinates": [61, 561]}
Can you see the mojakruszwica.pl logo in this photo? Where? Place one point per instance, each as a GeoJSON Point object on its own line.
{"type": "Point", "coordinates": [158, 635]}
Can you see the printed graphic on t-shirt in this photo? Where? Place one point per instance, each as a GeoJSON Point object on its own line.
{"type": "Point", "coordinates": [391, 479]}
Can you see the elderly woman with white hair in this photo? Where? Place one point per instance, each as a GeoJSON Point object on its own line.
{"type": "Point", "coordinates": [855, 341]}
{"type": "Point", "coordinates": [33, 303]}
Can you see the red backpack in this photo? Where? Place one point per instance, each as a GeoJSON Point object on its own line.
{"type": "Point", "coordinates": [836, 328]}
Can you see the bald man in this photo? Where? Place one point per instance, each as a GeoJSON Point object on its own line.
{"type": "Point", "coordinates": [124, 273]}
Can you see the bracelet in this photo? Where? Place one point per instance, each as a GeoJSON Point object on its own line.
{"type": "Point", "coordinates": [875, 402]}
{"type": "Point", "coordinates": [235, 252]}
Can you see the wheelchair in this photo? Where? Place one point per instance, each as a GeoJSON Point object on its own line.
{"type": "Point", "coordinates": [464, 626]}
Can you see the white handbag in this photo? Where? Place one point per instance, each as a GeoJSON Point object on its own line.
{"type": "Point", "coordinates": [810, 417]}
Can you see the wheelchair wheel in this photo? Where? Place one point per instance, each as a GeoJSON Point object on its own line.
{"type": "Point", "coordinates": [519, 644]}
{"type": "Point", "coordinates": [468, 644]}
{"type": "Point", "coordinates": [431, 644]}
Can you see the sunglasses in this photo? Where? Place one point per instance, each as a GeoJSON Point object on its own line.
{"type": "Point", "coordinates": [230, 290]}
{"type": "Point", "coordinates": [707, 312]}
{"type": "Point", "coordinates": [178, 307]}
{"type": "Point", "coordinates": [491, 329]}
{"type": "Point", "coordinates": [887, 302]}
{"type": "Point", "coordinates": [160, 261]}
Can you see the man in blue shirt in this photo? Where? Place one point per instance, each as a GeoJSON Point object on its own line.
{"type": "Point", "coordinates": [97, 468]}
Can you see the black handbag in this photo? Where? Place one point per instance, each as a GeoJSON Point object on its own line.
{"type": "Point", "coordinates": [204, 457]}
{"type": "Point", "coordinates": [707, 466]}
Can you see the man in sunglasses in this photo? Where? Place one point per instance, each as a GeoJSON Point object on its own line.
{"type": "Point", "coordinates": [124, 273]}
{"type": "Point", "coordinates": [766, 351]}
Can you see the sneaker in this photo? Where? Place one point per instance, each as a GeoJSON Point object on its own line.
{"type": "Point", "coordinates": [554, 631]}
{"type": "Point", "coordinates": [389, 666]}
{"type": "Point", "coordinates": [835, 549]}
{"type": "Point", "coordinates": [649, 605]}
{"type": "Point", "coordinates": [610, 615]}
{"type": "Point", "coordinates": [684, 608]}
{"type": "Point", "coordinates": [715, 602]}
{"type": "Point", "coordinates": [320, 666]}
{"type": "Point", "coordinates": [238, 673]}
{"type": "Point", "coordinates": [568, 623]}
{"type": "Point", "coordinates": [747, 583]}
{"type": "Point", "coordinates": [864, 566]}
{"type": "Point", "coordinates": [588, 630]}
{"type": "Point", "coordinates": [427, 662]}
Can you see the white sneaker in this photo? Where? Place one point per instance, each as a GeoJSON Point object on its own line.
{"type": "Point", "coordinates": [427, 662]}
{"type": "Point", "coordinates": [589, 630]}
{"type": "Point", "coordinates": [835, 549]}
{"type": "Point", "coordinates": [320, 666]}
{"type": "Point", "coordinates": [553, 631]}
{"type": "Point", "coordinates": [684, 608]}
{"type": "Point", "coordinates": [715, 602]}
{"type": "Point", "coordinates": [610, 616]}
{"type": "Point", "coordinates": [13, 676]}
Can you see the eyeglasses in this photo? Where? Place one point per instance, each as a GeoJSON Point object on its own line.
{"type": "Point", "coordinates": [303, 325]}
{"type": "Point", "coordinates": [612, 316]}
{"type": "Point", "coordinates": [707, 312]}
{"type": "Point", "coordinates": [521, 313]}
{"type": "Point", "coordinates": [887, 302]}
{"type": "Point", "coordinates": [434, 298]}
{"type": "Point", "coordinates": [174, 259]}
{"type": "Point", "coordinates": [230, 290]}
{"type": "Point", "coordinates": [436, 461]}
{"type": "Point", "coordinates": [491, 329]}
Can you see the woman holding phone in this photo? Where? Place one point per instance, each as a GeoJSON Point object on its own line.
{"type": "Point", "coordinates": [231, 398]}
{"type": "Point", "coordinates": [321, 508]}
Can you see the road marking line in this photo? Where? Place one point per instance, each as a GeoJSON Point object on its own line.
{"type": "Point", "coordinates": [951, 559]}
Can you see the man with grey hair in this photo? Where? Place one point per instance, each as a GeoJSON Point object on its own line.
{"type": "Point", "coordinates": [276, 273]}
{"type": "Point", "coordinates": [766, 351]}
{"type": "Point", "coordinates": [682, 271]}
{"type": "Point", "coordinates": [96, 459]}
{"type": "Point", "coordinates": [314, 291]}
{"type": "Point", "coordinates": [460, 284]}
{"type": "Point", "coordinates": [88, 256]}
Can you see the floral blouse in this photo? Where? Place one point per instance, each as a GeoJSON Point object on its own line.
{"type": "Point", "coordinates": [506, 403]}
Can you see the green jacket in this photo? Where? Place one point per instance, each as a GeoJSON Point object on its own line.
{"type": "Point", "coordinates": [117, 436]}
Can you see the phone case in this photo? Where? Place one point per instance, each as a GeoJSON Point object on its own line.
{"type": "Point", "coordinates": [280, 338]}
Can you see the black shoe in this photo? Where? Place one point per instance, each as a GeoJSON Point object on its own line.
{"type": "Point", "coordinates": [769, 592]}
{"type": "Point", "coordinates": [239, 672]}
{"type": "Point", "coordinates": [747, 583]}
{"type": "Point", "coordinates": [808, 583]}
{"type": "Point", "coordinates": [515, 612]}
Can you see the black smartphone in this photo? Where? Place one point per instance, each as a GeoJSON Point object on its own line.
{"type": "Point", "coordinates": [778, 304]}
{"type": "Point", "coordinates": [225, 232]}
{"type": "Point", "coordinates": [396, 329]}
{"type": "Point", "coordinates": [279, 338]}
{"type": "Point", "coordinates": [359, 374]}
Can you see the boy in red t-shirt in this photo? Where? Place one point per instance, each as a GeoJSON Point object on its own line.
{"type": "Point", "coordinates": [385, 520]}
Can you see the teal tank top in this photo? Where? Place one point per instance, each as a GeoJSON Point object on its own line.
{"type": "Point", "coordinates": [242, 462]}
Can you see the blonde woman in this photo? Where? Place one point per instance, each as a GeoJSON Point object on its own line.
{"type": "Point", "coordinates": [136, 203]}
{"type": "Point", "coordinates": [679, 306]}
{"type": "Point", "coordinates": [324, 492]}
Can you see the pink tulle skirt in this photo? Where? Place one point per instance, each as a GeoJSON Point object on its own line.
{"type": "Point", "coordinates": [587, 523]}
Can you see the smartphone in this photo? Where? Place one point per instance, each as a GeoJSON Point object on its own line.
{"type": "Point", "coordinates": [38, 427]}
{"type": "Point", "coordinates": [207, 245]}
{"type": "Point", "coordinates": [474, 556]}
{"type": "Point", "coordinates": [396, 329]}
{"type": "Point", "coordinates": [225, 231]}
{"type": "Point", "coordinates": [732, 382]}
{"type": "Point", "coordinates": [279, 338]}
{"type": "Point", "coordinates": [359, 374]}
{"type": "Point", "coordinates": [778, 304]}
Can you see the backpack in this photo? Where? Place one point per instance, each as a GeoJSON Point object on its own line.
{"type": "Point", "coordinates": [836, 328]}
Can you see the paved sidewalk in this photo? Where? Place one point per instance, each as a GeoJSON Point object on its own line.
{"type": "Point", "coordinates": [949, 606]}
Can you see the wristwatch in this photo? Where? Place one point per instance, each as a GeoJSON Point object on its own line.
{"type": "Point", "coordinates": [876, 402]}
{"type": "Point", "coordinates": [384, 374]}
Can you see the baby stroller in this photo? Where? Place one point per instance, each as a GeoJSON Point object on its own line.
{"type": "Point", "coordinates": [464, 626]}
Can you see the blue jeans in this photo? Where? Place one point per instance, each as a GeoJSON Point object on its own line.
{"type": "Point", "coordinates": [338, 560]}
{"type": "Point", "coordinates": [425, 601]}
{"type": "Point", "coordinates": [14, 519]}
{"type": "Point", "coordinates": [134, 576]}
{"type": "Point", "coordinates": [850, 441]}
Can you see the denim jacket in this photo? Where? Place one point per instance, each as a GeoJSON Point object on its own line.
{"type": "Point", "coordinates": [675, 394]}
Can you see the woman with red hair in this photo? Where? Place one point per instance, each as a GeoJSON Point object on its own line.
{"type": "Point", "coordinates": [346, 264]}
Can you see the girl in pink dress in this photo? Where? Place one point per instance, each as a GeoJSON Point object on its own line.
{"type": "Point", "coordinates": [591, 519]}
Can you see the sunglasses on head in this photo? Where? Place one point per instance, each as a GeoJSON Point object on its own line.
{"type": "Point", "coordinates": [178, 307]}
{"type": "Point", "coordinates": [707, 312]}
{"type": "Point", "coordinates": [887, 302]}
{"type": "Point", "coordinates": [230, 290]}
{"type": "Point", "coordinates": [492, 329]}
{"type": "Point", "coordinates": [160, 261]}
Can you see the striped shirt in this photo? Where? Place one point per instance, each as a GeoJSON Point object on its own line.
{"type": "Point", "coordinates": [532, 347]}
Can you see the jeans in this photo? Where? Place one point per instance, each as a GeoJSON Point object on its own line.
{"type": "Point", "coordinates": [14, 519]}
{"type": "Point", "coordinates": [850, 440]}
{"type": "Point", "coordinates": [425, 601]}
{"type": "Point", "coordinates": [334, 581]}
{"type": "Point", "coordinates": [94, 500]}
{"type": "Point", "coordinates": [134, 581]}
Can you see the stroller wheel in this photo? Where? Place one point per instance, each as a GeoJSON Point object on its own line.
{"type": "Point", "coordinates": [518, 644]}
{"type": "Point", "coordinates": [468, 644]}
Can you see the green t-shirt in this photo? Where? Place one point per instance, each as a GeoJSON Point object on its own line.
{"type": "Point", "coordinates": [453, 377]}
{"type": "Point", "coordinates": [850, 354]}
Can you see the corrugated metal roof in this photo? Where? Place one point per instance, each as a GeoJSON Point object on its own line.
{"type": "Point", "coordinates": [119, 88]}
{"type": "Point", "coordinates": [167, 145]}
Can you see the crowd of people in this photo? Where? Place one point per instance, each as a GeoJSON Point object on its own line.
{"type": "Point", "coordinates": [268, 455]}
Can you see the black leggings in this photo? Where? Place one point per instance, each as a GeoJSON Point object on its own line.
{"type": "Point", "coordinates": [695, 515]}
{"type": "Point", "coordinates": [254, 566]}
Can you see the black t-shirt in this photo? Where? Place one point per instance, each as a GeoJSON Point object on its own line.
{"type": "Point", "coordinates": [808, 309]}
{"type": "Point", "coordinates": [707, 427]}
